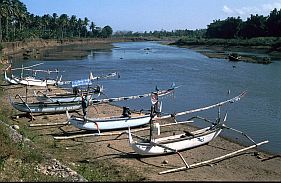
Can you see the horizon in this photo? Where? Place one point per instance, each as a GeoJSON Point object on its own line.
{"type": "Point", "coordinates": [153, 15]}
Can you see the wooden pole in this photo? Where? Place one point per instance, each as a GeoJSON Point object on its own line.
{"type": "Point", "coordinates": [49, 124]}
{"type": "Point", "coordinates": [207, 107]}
{"type": "Point", "coordinates": [212, 160]}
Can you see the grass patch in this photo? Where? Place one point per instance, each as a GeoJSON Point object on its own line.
{"type": "Point", "coordinates": [106, 171]}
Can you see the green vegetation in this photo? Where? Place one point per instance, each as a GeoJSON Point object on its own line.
{"type": "Point", "coordinates": [273, 42]}
{"type": "Point", "coordinates": [17, 24]}
{"type": "Point", "coordinates": [255, 26]}
{"type": "Point", "coordinates": [105, 171]}
{"type": "Point", "coordinates": [163, 33]}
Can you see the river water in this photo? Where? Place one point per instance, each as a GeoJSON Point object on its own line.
{"type": "Point", "coordinates": [204, 81]}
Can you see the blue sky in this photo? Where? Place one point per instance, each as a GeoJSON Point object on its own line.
{"type": "Point", "coordinates": [150, 15]}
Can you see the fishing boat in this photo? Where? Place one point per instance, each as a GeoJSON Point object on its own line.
{"type": "Point", "coordinates": [44, 107]}
{"type": "Point", "coordinates": [187, 140]}
{"type": "Point", "coordinates": [174, 143]}
{"type": "Point", "coordinates": [89, 80]}
{"type": "Point", "coordinates": [109, 123]}
{"type": "Point", "coordinates": [182, 141]}
{"type": "Point", "coordinates": [117, 122]}
{"type": "Point", "coordinates": [70, 97]}
{"type": "Point", "coordinates": [234, 57]}
{"type": "Point", "coordinates": [54, 107]}
{"type": "Point", "coordinates": [29, 80]}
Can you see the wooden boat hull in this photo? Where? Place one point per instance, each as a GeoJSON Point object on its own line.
{"type": "Point", "coordinates": [176, 142]}
{"type": "Point", "coordinates": [108, 123]}
{"type": "Point", "coordinates": [46, 107]}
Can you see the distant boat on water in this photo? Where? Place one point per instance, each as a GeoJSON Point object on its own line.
{"type": "Point", "coordinates": [234, 57]}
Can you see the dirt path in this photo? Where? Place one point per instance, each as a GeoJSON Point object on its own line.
{"type": "Point", "coordinates": [248, 166]}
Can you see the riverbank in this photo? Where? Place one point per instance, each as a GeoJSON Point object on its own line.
{"type": "Point", "coordinates": [259, 50]}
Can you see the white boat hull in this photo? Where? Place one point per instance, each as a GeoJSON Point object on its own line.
{"type": "Point", "coordinates": [177, 142]}
{"type": "Point", "coordinates": [10, 80]}
{"type": "Point", "coordinates": [108, 124]}
{"type": "Point", "coordinates": [30, 81]}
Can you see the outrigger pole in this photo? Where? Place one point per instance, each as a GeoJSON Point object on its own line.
{"type": "Point", "coordinates": [212, 160]}
{"type": "Point", "coordinates": [109, 133]}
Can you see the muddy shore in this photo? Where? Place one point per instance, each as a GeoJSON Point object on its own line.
{"type": "Point", "coordinates": [115, 152]}
{"type": "Point", "coordinates": [247, 54]}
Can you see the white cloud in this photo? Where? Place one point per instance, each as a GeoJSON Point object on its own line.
{"type": "Point", "coordinates": [227, 10]}
{"type": "Point", "coordinates": [245, 11]}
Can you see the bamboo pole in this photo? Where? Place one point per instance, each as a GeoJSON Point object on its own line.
{"type": "Point", "coordinates": [27, 66]}
{"type": "Point", "coordinates": [115, 133]}
{"type": "Point", "coordinates": [49, 124]}
{"type": "Point", "coordinates": [205, 108]}
{"type": "Point", "coordinates": [212, 160]}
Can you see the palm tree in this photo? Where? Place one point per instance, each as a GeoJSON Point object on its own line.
{"type": "Point", "coordinates": [19, 14]}
{"type": "Point", "coordinates": [72, 24]}
{"type": "Point", "coordinates": [54, 24]}
{"type": "Point", "coordinates": [79, 26]}
{"type": "Point", "coordinates": [85, 25]}
{"type": "Point", "coordinates": [6, 12]}
{"type": "Point", "coordinates": [63, 22]}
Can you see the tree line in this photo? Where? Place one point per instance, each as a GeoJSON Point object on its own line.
{"type": "Point", "coordinates": [162, 33]}
{"type": "Point", "coordinates": [230, 28]}
{"type": "Point", "coordinates": [16, 23]}
{"type": "Point", "coordinates": [254, 26]}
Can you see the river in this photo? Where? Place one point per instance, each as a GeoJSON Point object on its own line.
{"type": "Point", "coordinates": [144, 65]}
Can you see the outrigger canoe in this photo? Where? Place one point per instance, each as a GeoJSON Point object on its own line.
{"type": "Point", "coordinates": [55, 107]}
{"type": "Point", "coordinates": [45, 107]}
{"type": "Point", "coordinates": [174, 143]}
{"type": "Point", "coordinates": [109, 123]}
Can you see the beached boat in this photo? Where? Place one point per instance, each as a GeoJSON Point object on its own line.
{"type": "Point", "coordinates": [109, 123]}
{"type": "Point", "coordinates": [174, 143]}
{"type": "Point", "coordinates": [183, 141]}
{"type": "Point", "coordinates": [116, 122]}
{"type": "Point", "coordinates": [187, 140]}
{"type": "Point", "coordinates": [29, 80]}
{"type": "Point", "coordinates": [89, 80]}
{"type": "Point", "coordinates": [45, 107]}
{"type": "Point", "coordinates": [70, 97]}
{"type": "Point", "coordinates": [54, 107]}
